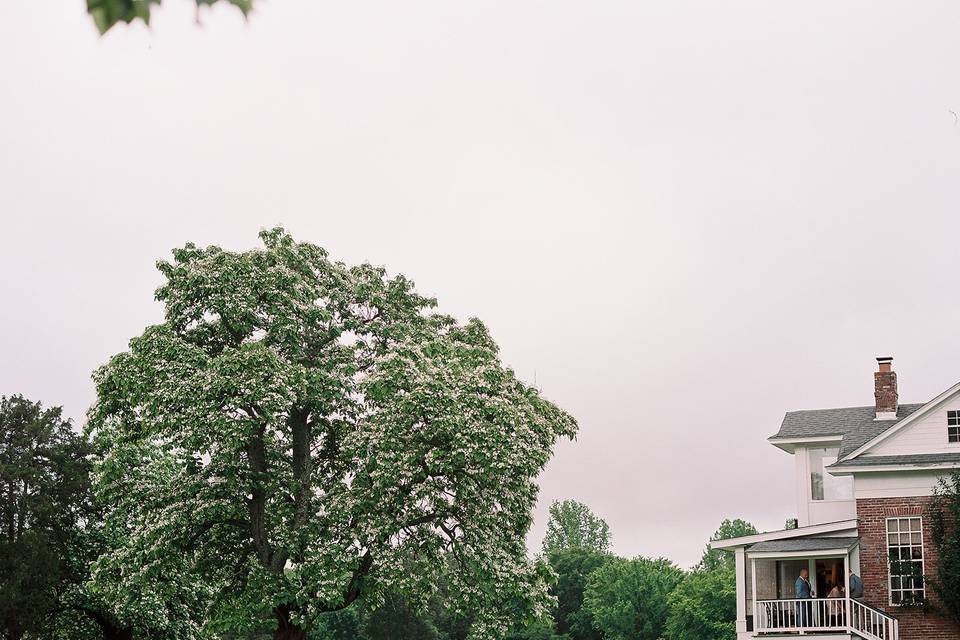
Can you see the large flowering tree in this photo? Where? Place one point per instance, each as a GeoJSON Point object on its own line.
{"type": "Point", "coordinates": [299, 434]}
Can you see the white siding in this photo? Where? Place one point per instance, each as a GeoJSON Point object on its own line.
{"type": "Point", "coordinates": [926, 435]}
{"type": "Point", "coordinates": [901, 484]}
{"type": "Point", "coordinates": [823, 511]}
{"type": "Point", "coordinates": [846, 533]}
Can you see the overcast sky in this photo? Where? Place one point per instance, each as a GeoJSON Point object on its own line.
{"type": "Point", "coordinates": [680, 218]}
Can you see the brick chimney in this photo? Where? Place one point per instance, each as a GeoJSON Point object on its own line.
{"type": "Point", "coordinates": [885, 389]}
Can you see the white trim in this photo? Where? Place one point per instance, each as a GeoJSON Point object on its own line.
{"type": "Point", "coordinates": [789, 555]}
{"type": "Point", "coordinates": [850, 469]}
{"type": "Point", "coordinates": [776, 440]}
{"type": "Point", "coordinates": [800, 532]}
{"type": "Point", "coordinates": [886, 415]}
{"type": "Point", "coordinates": [910, 419]}
{"type": "Point", "coordinates": [789, 444]}
{"type": "Point", "coordinates": [923, 558]}
{"type": "Point", "coordinates": [953, 443]}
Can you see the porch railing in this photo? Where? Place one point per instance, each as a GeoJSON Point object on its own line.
{"type": "Point", "coordinates": [824, 614]}
{"type": "Point", "coordinates": [872, 623]}
{"type": "Point", "coordinates": [800, 615]}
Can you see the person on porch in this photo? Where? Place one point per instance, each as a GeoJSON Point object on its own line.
{"type": "Point", "coordinates": [856, 586]}
{"type": "Point", "coordinates": [802, 586]}
{"type": "Point", "coordinates": [836, 607]}
{"type": "Point", "coordinates": [804, 591]}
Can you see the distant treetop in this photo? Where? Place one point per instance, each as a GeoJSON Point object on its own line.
{"type": "Point", "coordinates": [722, 558]}
{"type": "Point", "coordinates": [573, 526]}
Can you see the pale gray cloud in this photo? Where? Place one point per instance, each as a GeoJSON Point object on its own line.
{"type": "Point", "coordinates": [683, 217]}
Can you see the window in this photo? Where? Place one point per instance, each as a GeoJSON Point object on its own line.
{"type": "Point", "coordinates": [905, 550]}
{"type": "Point", "coordinates": [953, 426]}
{"type": "Point", "coordinates": [824, 486]}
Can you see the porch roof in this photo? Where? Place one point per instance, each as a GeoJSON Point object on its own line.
{"type": "Point", "coordinates": [843, 526]}
{"type": "Point", "coordinates": [802, 545]}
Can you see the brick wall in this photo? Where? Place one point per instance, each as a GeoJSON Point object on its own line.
{"type": "Point", "coordinates": [872, 514]}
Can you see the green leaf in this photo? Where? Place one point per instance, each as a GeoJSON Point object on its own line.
{"type": "Point", "coordinates": [107, 13]}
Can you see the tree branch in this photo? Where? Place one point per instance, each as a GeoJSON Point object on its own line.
{"type": "Point", "coordinates": [243, 525]}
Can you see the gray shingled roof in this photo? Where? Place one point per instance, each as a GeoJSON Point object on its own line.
{"type": "Point", "coordinates": [803, 544]}
{"type": "Point", "coordinates": [915, 459]}
{"type": "Point", "coordinates": [856, 424]}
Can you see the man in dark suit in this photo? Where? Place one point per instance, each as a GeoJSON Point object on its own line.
{"type": "Point", "coordinates": [804, 591]}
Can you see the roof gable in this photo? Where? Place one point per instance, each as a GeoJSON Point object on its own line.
{"type": "Point", "coordinates": [926, 434]}
{"type": "Point", "coordinates": [871, 442]}
{"type": "Point", "coordinates": [871, 428]}
{"type": "Point", "coordinates": [853, 426]}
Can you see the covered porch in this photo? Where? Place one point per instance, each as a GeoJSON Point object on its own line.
{"type": "Point", "coordinates": [774, 567]}
{"type": "Point", "coordinates": [767, 568]}
{"type": "Point", "coordinates": [771, 608]}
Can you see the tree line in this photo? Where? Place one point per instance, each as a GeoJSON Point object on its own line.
{"type": "Point", "coordinates": [301, 447]}
{"type": "Point", "coordinates": [597, 594]}
{"type": "Point", "coordinates": [297, 437]}
{"type": "Point", "coordinates": [54, 538]}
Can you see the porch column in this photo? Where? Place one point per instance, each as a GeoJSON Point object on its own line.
{"type": "Point", "coordinates": [847, 568]}
{"type": "Point", "coordinates": [741, 589]}
{"type": "Point", "coordinates": [753, 583]}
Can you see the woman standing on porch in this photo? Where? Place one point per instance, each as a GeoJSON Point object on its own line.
{"type": "Point", "coordinates": [837, 607]}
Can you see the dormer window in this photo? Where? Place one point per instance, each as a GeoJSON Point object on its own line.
{"type": "Point", "coordinates": [953, 426]}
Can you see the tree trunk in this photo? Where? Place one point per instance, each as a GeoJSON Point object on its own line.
{"type": "Point", "coordinates": [118, 634]}
{"type": "Point", "coordinates": [290, 633]}
{"type": "Point", "coordinates": [108, 628]}
{"type": "Point", "coordinates": [12, 629]}
{"type": "Point", "coordinates": [286, 630]}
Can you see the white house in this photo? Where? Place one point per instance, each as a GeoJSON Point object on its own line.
{"type": "Point", "coordinates": [864, 477]}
